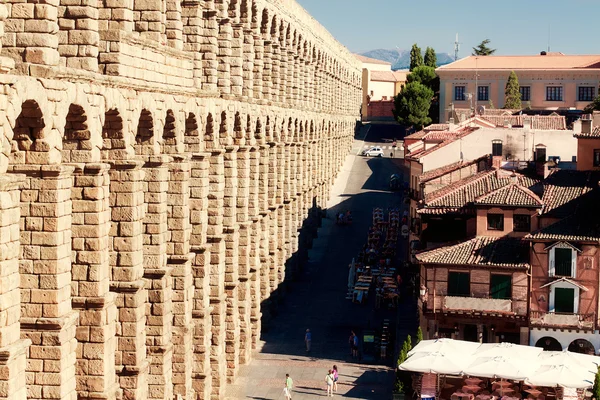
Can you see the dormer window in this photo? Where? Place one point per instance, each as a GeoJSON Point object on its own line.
{"type": "Point", "coordinates": [495, 222]}
{"type": "Point", "coordinates": [562, 261]}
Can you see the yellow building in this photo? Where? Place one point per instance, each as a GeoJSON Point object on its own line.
{"type": "Point", "coordinates": [549, 81]}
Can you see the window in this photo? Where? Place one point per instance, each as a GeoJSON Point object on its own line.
{"type": "Point", "coordinates": [540, 154]}
{"type": "Point", "coordinates": [554, 93]}
{"type": "Point", "coordinates": [525, 93]}
{"type": "Point", "coordinates": [521, 223]}
{"type": "Point", "coordinates": [495, 222]}
{"type": "Point", "coordinates": [483, 93]}
{"type": "Point", "coordinates": [459, 93]}
{"type": "Point", "coordinates": [501, 286]}
{"type": "Point", "coordinates": [459, 284]}
{"type": "Point", "coordinates": [384, 98]}
{"type": "Point", "coordinates": [496, 148]}
{"type": "Point", "coordinates": [596, 157]}
{"type": "Point", "coordinates": [586, 93]}
{"type": "Point", "coordinates": [564, 300]}
{"type": "Point", "coordinates": [562, 262]}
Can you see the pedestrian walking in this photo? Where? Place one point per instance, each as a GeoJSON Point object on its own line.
{"type": "Point", "coordinates": [335, 378]}
{"type": "Point", "coordinates": [351, 342]}
{"type": "Point", "coordinates": [286, 393]}
{"type": "Point", "coordinates": [355, 347]}
{"type": "Point", "coordinates": [308, 340]}
{"type": "Point", "coordinates": [289, 385]}
{"type": "Point", "coordinates": [329, 382]}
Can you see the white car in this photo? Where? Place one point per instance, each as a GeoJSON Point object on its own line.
{"type": "Point", "coordinates": [373, 152]}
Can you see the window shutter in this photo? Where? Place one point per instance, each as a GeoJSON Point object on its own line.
{"type": "Point", "coordinates": [551, 262]}
{"type": "Point", "coordinates": [574, 264]}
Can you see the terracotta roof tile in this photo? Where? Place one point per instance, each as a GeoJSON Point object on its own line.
{"type": "Point", "coordinates": [535, 62]}
{"type": "Point", "coordinates": [594, 134]}
{"type": "Point", "coordinates": [510, 195]}
{"type": "Point", "coordinates": [481, 251]}
{"type": "Point", "coordinates": [462, 132]}
{"type": "Point", "coordinates": [383, 76]}
{"type": "Point", "coordinates": [423, 133]}
{"type": "Point", "coordinates": [368, 60]}
{"type": "Point", "coordinates": [541, 122]}
{"type": "Point", "coordinates": [460, 196]}
{"type": "Point", "coordinates": [436, 173]}
{"type": "Point", "coordinates": [563, 187]}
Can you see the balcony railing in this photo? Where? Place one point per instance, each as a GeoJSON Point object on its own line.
{"type": "Point", "coordinates": [561, 320]}
{"type": "Point", "coordinates": [473, 304]}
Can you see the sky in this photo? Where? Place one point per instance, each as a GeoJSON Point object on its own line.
{"type": "Point", "coordinates": [513, 26]}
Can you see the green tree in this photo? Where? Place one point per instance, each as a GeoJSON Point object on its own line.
{"type": "Point", "coordinates": [590, 108]}
{"type": "Point", "coordinates": [416, 58]}
{"type": "Point", "coordinates": [425, 75]}
{"type": "Point", "coordinates": [411, 105]}
{"type": "Point", "coordinates": [596, 387]}
{"type": "Point", "coordinates": [419, 335]}
{"type": "Point", "coordinates": [430, 57]}
{"type": "Point", "coordinates": [512, 99]}
{"type": "Point", "coordinates": [403, 377]}
{"type": "Point", "coordinates": [482, 49]}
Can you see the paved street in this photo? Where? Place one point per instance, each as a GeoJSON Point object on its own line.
{"type": "Point", "coordinates": [318, 301]}
{"type": "Point", "coordinates": [381, 135]}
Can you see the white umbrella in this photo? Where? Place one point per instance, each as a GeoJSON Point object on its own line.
{"type": "Point", "coordinates": [570, 376]}
{"type": "Point", "coordinates": [351, 275]}
{"type": "Point", "coordinates": [435, 363]}
{"type": "Point", "coordinates": [566, 357]}
{"type": "Point", "coordinates": [501, 367]}
{"type": "Point", "coordinates": [508, 350]}
{"type": "Point", "coordinates": [446, 346]}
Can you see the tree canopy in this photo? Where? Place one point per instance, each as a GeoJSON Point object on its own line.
{"type": "Point", "coordinates": [590, 108]}
{"type": "Point", "coordinates": [416, 58]}
{"type": "Point", "coordinates": [512, 99]}
{"type": "Point", "coordinates": [425, 75]}
{"type": "Point", "coordinates": [482, 49]}
{"type": "Point", "coordinates": [430, 57]}
{"type": "Point", "coordinates": [411, 105]}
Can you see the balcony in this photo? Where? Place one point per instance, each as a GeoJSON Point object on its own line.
{"type": "Point", "coordinates": [476, 306]}
{"type": "Point", "coordinates": [559, 320]}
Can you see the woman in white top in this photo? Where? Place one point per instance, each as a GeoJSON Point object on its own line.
{"type": "Point", "coordinates": [329, 382]}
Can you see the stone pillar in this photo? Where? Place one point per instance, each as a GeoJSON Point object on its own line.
{"type": "Point", "coordinates": [275, 77]}
{"type": "Point", "coordinates": [258, 67]}
{"type": "Point", "coordinates": [47, 317]}
{"type": "Point", "coordinates": [180, 263]}
{"type": "Point", "coordinates": [90, 269]}
{"type": "Point", "coordinates": [267, 75]}
{"type": "Point", "coordinates": [244, 247]}
{"type": "Point", "coordinates": [174, 25]}
{"type": "Point", "coordinates": [224, 57]}
{"type": "Point", "coordinates": [280, 173]}
{"type": "Point", "coordinates": [236, 60]}
{"type": "Point", "coordinates": [31, 33]}
{"type": "Point", "coordinates": [159, 315]}
{"type": "Point", "coordinates": [217, 271]}
{"type": "Point", "coordinates": [199, 187]}
{"type": "Point", "coordinates": [254, 244]}
{"type": "Point", "coordinates": [13, 349]}
{"type": "Point", "coordinates": [283, 72]}
{"type": "Point", "coordinates": [210, 49]}
{"type": "Point", "coordinates": [287, 169]}
{"type": "Point", "coordinates": [150, 20]}
{"type": "Point", "coordinates": [127, 261]}
{"type": "Point", "coordinates": [272, 159]}
{"type": "Point", "coordinates": [296, 77]}
{"type": "Point", "coordinates": [248, 64]}
{"type": "Point", "coordinates": [192, 19]}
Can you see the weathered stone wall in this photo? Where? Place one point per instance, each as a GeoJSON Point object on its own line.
{"type": "Point", "coordinates": [158, 162]}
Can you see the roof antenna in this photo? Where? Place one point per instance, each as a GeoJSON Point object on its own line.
{"type": "Point", "coordinates": [548, 38]}
{"type": "Point", "coordinates": [456, 48]}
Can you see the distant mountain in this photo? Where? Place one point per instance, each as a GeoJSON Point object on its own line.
{"type": "Point", "coordinates": [400, 59]}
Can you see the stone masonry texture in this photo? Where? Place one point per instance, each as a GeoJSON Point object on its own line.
{"type": "Point", "coordinates": [160, 162]}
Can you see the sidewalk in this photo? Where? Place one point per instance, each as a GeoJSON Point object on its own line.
{"type": "Point", "coordinates": [318, 301]}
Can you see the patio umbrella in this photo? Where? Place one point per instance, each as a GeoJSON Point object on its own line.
{"type": "Point", "coordinates": [447, 346]}
{"type": "Point", "coordinates": [569, 376]}
{"type": "Point", "coordinates": [435, 363]}
{"type": "Point", "coordinates": [501, 367]}
{"type": "Point", "coordinates": [566, 357]}
{"type": "Point", "coordinates": [508, 350]}
{"type": "Point", "coordinates": [351, 275]}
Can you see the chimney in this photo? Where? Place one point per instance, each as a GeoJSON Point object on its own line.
{"type": "Point", "coordinates": [577, 126]}
{"type": "Point", "coordinates": [496, 162]}
{"type": "Point", "coordinates": [586, 124]}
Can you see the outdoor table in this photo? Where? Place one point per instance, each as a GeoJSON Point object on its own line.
{"type": "Point", "coordinates": [473, 381]}
{"type": "Point", "coordinates": [472, 389]}
{"type": "Point", "coordinates": [534, 392]}
{"type": "Point", "coordinates": [502, 383]}
{"type": "Point", "coordinates": [504, 391]}
{"type": "Point", "coordinates": [461, 395]}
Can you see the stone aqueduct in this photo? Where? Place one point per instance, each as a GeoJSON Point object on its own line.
{"type": "Point", "coordinates": [159, 158]}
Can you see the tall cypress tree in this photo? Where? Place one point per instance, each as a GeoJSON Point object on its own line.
{"type": "Point", "coordinates": [512, 93]}
{"type": "Point", "coordinates": [430, 57]}
{"type": "Point", "coordinates": [416, 58]}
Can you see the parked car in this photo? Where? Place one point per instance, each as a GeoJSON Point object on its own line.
{"type": "Point", "coordinates": [373, 152]}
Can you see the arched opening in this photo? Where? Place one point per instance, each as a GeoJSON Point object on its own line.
{"type": "Point", "coordinates": [28, 129]}
{"type": "Point", "coordinates": [224, 127]}
{"type": "Point", "coordinates": [169, 137]}
{"type": "Point", "coordinates": [113, 142]}
{"type": "Point", "coordinates": [209, 132]}
{"type": "Point", "coordinates": [191, 138]}
{"type": "Point", "coordinates": [582, 346]}
{"type": "Point", "coordinates": [258, 129]}
{"type": "Point", "coordinates": [249, 128]}
{"type": "Point", "coordinates": [77, 136]}
{"type": "Point", "coordinates": [145, 134]}
{"type": "Point", "coordinates": [238, 130]}
{"type": "Point", "coordinates": [548, 343]}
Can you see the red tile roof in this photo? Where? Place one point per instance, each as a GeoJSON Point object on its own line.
{"type": "Point", "coordinates": [552, 61]}
{"type": "Point", "coordinates": [481, 251]}
{"type": "Point", "coordinates": [562, 188]}
{"type": "Point", "coordinates": [368, 60]}
{"type": "Point", "coordinates": [541, 122]}
{"type": "Point", "coordinates": [385, 76]}
{"type": "Point", "coordinates": [436, 173]}
{"type": "Point", "coordinates": [511, 195]}
{"type": "Point", "coordinates": [594, 134]}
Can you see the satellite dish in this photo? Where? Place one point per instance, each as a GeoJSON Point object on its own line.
{"type": "Point", "coordinates": [480, 110]}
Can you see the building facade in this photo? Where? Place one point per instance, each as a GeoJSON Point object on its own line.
{"type": "Point", "coordinates": [549, 81]}
{"type": "Point", "coordinates": [158, 163]}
